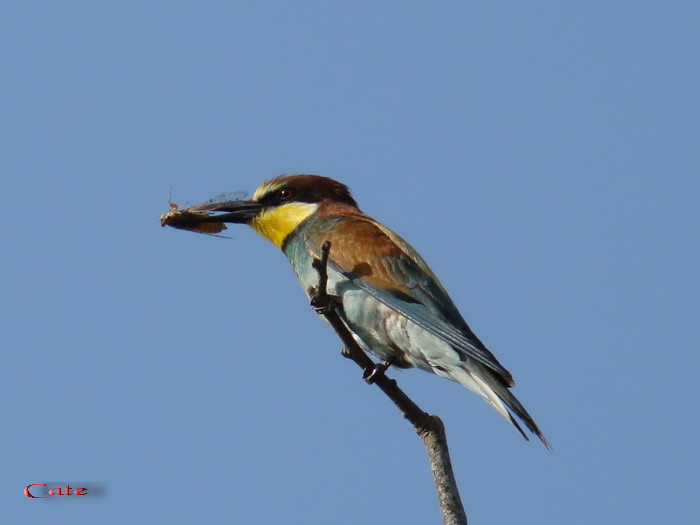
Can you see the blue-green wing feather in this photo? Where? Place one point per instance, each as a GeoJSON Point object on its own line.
{"type": "Point", "coordinates": [428, 306]}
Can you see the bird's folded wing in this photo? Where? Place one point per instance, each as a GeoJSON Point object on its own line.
{"type": "Point", "coordinates": [394, 274]}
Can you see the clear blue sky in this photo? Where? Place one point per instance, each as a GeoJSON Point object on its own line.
{"type": "Point", "coordinates": [542, 156]}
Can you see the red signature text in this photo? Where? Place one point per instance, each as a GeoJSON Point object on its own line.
{"type": "Point", "coordinates": [56, 491]}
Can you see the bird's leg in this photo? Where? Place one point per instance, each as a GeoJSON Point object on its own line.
{"type": "Point", "coordinates": [371, 373]}
{"type": "Point", "coordinates": [321, 301]}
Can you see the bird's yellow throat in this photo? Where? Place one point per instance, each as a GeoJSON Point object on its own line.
{"type": "Point", "coordinates": [275, 224]}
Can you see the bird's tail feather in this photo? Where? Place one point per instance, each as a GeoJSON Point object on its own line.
{"type": "Point", "coordinates": [497, 394]}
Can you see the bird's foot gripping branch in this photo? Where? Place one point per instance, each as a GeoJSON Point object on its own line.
{"type": "Point", "coordinates": [429, 427]}
{"type": "Point", "coordinates": [378, 369]}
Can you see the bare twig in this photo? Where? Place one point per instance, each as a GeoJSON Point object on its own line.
{"type": "Point", "coordinates": [429, 427]}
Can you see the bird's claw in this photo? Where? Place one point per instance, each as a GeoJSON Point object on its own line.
{"type": "Point", "coordinates": [372, 373]}
{"type": "Point", "coordinates": [323, 303]}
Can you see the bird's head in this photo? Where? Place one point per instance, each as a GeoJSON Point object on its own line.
{"type": "Point", "coordinates": [281, 204]}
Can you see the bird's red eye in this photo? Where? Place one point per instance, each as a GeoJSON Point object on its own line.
{"type": "Point", "coordinates": [285, 194]}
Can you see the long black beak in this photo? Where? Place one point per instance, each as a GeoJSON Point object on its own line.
{"type": "Point", "coordinates": [238, 211]}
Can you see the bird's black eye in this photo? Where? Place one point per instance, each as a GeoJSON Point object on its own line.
{"type": "Point", "coordinates": [285, 194]}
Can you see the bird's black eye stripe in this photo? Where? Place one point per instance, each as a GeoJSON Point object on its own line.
{"type": "Point", "coordinates": [285, 193]}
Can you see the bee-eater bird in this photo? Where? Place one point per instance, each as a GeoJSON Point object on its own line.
{"type": "Point", "coordinates": [390, 300]}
